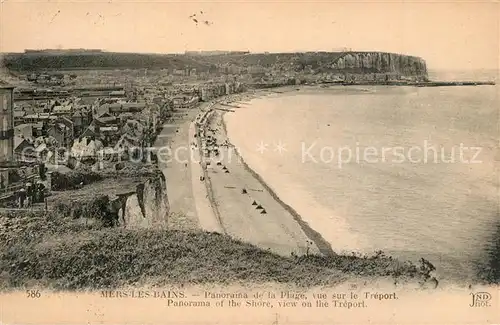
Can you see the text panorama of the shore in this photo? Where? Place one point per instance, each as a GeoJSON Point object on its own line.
{"type": "Point", "coordinates": [260, 299]}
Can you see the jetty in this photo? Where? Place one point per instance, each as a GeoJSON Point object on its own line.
{"type": "Point", "coordinates": [453, 83]}
{"type": "Point", "coordinates": [409, 83]}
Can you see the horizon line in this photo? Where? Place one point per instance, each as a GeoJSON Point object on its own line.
{"type": "Point", "coordinates": [336, 50]}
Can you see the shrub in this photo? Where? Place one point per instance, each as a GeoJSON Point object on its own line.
{"type": "Point", "coordinates": [72, 180]}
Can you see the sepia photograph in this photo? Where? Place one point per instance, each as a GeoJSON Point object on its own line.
{"type": "Point", "coordinates": [249, 162]}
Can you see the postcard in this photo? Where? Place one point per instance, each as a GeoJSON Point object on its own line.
{"type": "Point", "coordinates": [261, 162]}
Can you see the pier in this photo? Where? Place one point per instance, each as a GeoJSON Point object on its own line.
{"type": "Point", "coordinates": [410, 83]}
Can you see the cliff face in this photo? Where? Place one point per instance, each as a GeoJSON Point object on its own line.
{"type": "Point", "coordinates": [148, 207]}
{"type": "Point", "coordinates": [379, 62]}
{"type": "Point", "coordinates": [341, 62]}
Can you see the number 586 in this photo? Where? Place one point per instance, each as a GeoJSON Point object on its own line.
{"type": "Point", "coordinates": [33, 294]}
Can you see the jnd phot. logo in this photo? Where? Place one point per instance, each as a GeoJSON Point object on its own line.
{"type": "Point", "coordinates": [480, 299]}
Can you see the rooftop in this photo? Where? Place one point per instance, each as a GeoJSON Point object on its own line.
{"type": "Point", "coordinates": [4, 85]}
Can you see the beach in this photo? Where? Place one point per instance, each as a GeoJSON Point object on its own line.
{"type": "Point", "coordinates": [435, 202]}
{"type": "Point", "coordinates": [219, 192]}
{"type": "Point", "coordinates": [231, 198]}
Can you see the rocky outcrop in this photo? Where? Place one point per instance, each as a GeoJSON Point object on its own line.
{"type": "Point", "coordinates": [380, 62]}
{"type": "Point", "coordinates": [146, 208]}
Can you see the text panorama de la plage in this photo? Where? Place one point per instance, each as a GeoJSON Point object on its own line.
{"type": "Point", "coordinates": [260, 299]}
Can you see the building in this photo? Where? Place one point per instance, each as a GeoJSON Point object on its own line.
{"type": "Point", "coordinates": [179, 102]}
{"type": "Point", "coordinates": [6, 122]}
{"type": "Point", "coordinates": [61, 133]}
{"type": "Point", "coordinates": [119, 108]}
{"type": "Point", "coordinates": [117, 93]}
{"type": "Point", "coordinates": [19, 117]}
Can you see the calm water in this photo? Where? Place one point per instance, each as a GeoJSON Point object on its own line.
{"type": "Point", "coordinates": [440, 208]}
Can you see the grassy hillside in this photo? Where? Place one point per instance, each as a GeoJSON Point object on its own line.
{"type": "Point", "coordinates": [36, 61]}
{"type": "Point", "coordinates": [40, 61]}
{"type": "Point", "coordinates": [64, 253]}
{"type": "Point", "coordinates": [319, 61]}
{"type": "Point", "coordinates": [298, 60]}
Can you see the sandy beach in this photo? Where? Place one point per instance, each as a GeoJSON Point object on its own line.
{"type": "Point", "coordinates": [243, 206]}
{"type": "Point", "coordinates": [211, 188]}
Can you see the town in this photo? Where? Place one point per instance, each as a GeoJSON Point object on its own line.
{"type": "Point", "coordinates": [57, 120]}
{"type": "Point", "coordinates": [62, 121]}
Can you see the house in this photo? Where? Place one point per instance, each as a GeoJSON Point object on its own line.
{"type": "Point", "coordinates": [118, 108]}
{"type": "Point", "coordinates": [102, 109]}
{"type": "Point", "coordinates": [133, 127]}
{"type": "Point", "coordinates": [86, 147]}
{"type": "Point", "coordinates": [117, 93]}
{"type": "Point", "coordinates": [92, 131]}
{"type": "Point", "coordinates": [68, 123]}
{"type": "Point", "coordinates": [158, 100]}
{"type": "Point", "coordinates": [61, 133]}
{"type": "Point", "coordinates": [37, 129]}
{"type": "Point", "coordinates": [127, 142]}
{"type": "Point", "coordinates": [24, 130]}
{"type": "Point", "coordinates": [77, 120]}
{"type": "Point", "coordinates": [109, 134]}
{"type": "Point", "coordinates": [123, 117]}
{"type": "Point", "coordinates": [63, 110]}
{"type": "Point", "coordinates": [42, 151]}
{"type": "Point", "coordinates": [106, 130]}
{"type": "Point", "coordinates": [184, 102]}
{"type": "Point", "coordinates": [24, 150]}
{"type": "Point", "coordinates": [106, 120]}
{"type": "Point", "coordinates": [85, 101]}
{"type": "Point", "coordinates": [35, 118]}
{"type": "Point", "coordinates": [86, 113]}
{"type": "Point", "coordinates": [81, 120]}
{"type": "Point", "coordinates": [19, 117]}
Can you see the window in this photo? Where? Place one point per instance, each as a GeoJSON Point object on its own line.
{"type": "Point", "coordinates": [5, 102]}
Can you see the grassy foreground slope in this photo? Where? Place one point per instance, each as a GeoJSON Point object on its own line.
{"type": "Point", "coordinates": [68, 254]}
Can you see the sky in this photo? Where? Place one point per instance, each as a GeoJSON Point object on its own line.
{"type": "Point", "coordinates": [448, 35]}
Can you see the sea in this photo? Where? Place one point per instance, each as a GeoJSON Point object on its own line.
{"type": "Point", "coordinates": [410, 171]}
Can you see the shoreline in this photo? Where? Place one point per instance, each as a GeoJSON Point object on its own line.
{"type": "Point", "coordinates": [314, 240]}
{"type": "Point", "coordinates": [324, 246]}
